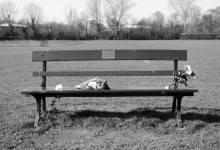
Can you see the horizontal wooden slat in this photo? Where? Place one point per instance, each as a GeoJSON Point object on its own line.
{"type": "Point", "coordinates": [66, 55]}
{"type": "Point", "coordinates": [105, 73]}
{"type": "Point", "coordinates": [113, 92]}
{"type": "Point", "coordinates": [151, 55]}
{"type": "Point", "coordinates": [80, 55]}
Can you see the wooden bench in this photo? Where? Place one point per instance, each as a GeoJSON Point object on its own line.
{"type": "Point", "coordinates": [40, 93]}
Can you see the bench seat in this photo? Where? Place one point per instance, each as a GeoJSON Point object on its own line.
{"type": "Point", "coordinates": [114, 92]}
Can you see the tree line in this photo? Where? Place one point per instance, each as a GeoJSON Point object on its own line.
{"type": "Point", "coordinates": [108, 19]}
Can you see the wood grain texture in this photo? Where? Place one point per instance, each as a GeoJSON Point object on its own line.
{"type": "Point", "coordinates": [82, 55]}
{"type": "Point", "coordinates": [114, 92]}
{"type": "Point", "coordinates": [106, 73]}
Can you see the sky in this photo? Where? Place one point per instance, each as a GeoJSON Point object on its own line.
{"type": "Point", "coordinates": [54, 10]}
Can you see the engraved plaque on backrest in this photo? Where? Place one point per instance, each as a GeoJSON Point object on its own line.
{"type": "Point", "coordinates": [108, 54]}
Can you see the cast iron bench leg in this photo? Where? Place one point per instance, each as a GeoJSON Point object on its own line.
{"type": "Point", "coordinates": [174, 104]}
{"type": "Point", "coordinates": [44, 109]}
{"type": "Point", "coordinates": [178, 112]}
{"type": "Point", "coordinates": [38, 112]}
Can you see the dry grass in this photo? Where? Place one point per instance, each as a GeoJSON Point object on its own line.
{"type": "Point", "coordinates": [110, 123]}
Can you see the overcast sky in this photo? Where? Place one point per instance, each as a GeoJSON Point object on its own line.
{"type": "Point", "coordinates": [54, 10]}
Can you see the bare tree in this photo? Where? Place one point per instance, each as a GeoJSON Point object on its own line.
{"type": "Point", "coordinates": [72, 20]}
{"type": "Point", "coordinates": [157, 22]}
{"type": "Point", "coordinates": [8, 12]}
{"type": "Point", "coordinates": [183, 8]}
{"type": "Point", "coordinates": [95, 12]}
{"type": "Point", "coordinates": [195, 19]}
{"type": "Point", "coordinates": [173, 19]}
{"type": "Point", "coordinates": [116, 12]}
{"type": "Point", "coordinates": [34, 14]}
{"type": "Point", "coordinates": [211, 20]}
{"type": "Point", "coordinates": [84, 16]}
{"type": "Point", "coordinates": [158, 19]}
{"type": "Point", "coordinates": [195, 14]}
{"type": "Point", "coordinates": [83, 20]}
{"type": "Point", "coordinates": [71, 17]}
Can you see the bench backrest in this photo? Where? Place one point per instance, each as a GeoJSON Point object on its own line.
{"type": "Point", "coordinates": [102, 55]}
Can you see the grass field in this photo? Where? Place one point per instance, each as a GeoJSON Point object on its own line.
{"type": "Point", "coordinates": [110, 123]}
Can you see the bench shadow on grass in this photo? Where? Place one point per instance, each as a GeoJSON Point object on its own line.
{"type": "Point", "coordinates": [205, 115]}
{"type": "Point", "coordinates": [162, 115]}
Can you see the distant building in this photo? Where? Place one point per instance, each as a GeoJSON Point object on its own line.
{"type": "Point", "coordinates": [92, 26]}
{"type": "Point", "coordinates": [200, 36]}
{"type": "Point", "coordinates": [11, 31]}
{"type": "Point", "coordinates": [6, 25]}
{"type": "Point", "coordinates": [135, 26]}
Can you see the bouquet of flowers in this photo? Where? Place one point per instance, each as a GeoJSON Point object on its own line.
{"type": "Point", "coordinates": [183, 77]}
{"type": "Point", "coordinates": [94, 84]}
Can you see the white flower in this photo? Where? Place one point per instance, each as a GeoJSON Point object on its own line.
{"type": "Point", "coordinates": [92, 85]}
{"type": "Point", "coordinates": [59, 87]}
{"type": "Point", "coordinates": [78, 86]}
{"type": "Point", "coordinates": [188, 70]}
{"type": "Point", "coordinates": [166, 87]}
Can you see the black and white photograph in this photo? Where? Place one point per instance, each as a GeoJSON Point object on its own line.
{"type": "Point", "coordinates": [109, 74]}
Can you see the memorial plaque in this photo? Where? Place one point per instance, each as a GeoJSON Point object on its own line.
{"type": "Point", "coordinates": [108, 54]}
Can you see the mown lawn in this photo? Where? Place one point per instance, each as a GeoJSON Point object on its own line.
{"type": "Point", "coordinates": [110, 123]}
